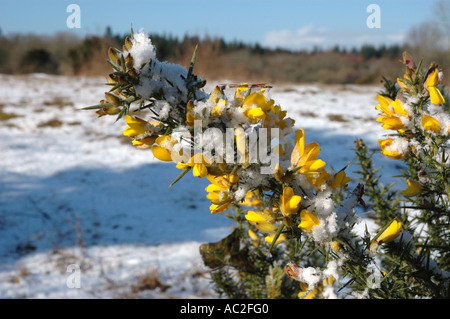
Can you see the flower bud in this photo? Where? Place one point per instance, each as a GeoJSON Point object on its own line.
{"type": "Point", "coordinates": [109, 110]}
{"type": "Point", "coordinates": [113, 56]}
{"type": "Point", "coordinates": [128, 44]}
{"type": "Point", "coordinates": [113, 99]}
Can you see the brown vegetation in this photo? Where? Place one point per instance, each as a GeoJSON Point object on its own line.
{"type": "Point", "coordinates": [217, 60]}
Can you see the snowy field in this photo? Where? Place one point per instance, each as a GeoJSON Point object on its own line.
{"type": "Point", "coordinates": [73, 191]}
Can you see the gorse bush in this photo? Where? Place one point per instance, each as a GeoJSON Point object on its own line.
{"type": "Point", "coordinates": [295, 218]}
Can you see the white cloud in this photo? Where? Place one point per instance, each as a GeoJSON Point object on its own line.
{"type": "Point", "coordinates": [307, 37]}
{"type": "Point", "coordinates": [304, 36]}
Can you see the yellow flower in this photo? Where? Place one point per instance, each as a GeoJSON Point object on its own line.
{"type": "Point", "coordinates": [108, 110]}
{"type": "Point", "coordinates": [278, 173]}
{"type": "Point", "coordinates": [217, 195]}
{"type": "Point", "coordinates": [164, 147]}
{"type": "Point", "coordinates": [252, 199]}
{"type": "Point", "coordinates": [391, 113]}
{"type": "Point", "coordinates": [252, 235]}
{"type": "Point", "coordinates": [239, 97]}
{"type": "Point", "coordinates": [263, 220]}
{"type": "Point", "coordinates": [340, 179]}
{"type": "Point", "coordinates": [198, 162]}
{"type": "Point", "coordinates": [282, 238]}
{"type": "Point", "coordinates": [216, 97]}
{"type": "Point", "coordinates": [224, 181]}
{"type": "Point", "coordinates": [430, 84]}
{"type": "Point", "coordinates": [218, 109]}
{"type": "Point", "coordinates": [309, 220]}
{"type": "Point", "coordinates": [259, 100]}
{"type": "Point", "coordinates": [289, 202]}
{"type": "Point", "coordinates": [303, 157]}
{"type": "Point", "coordinates": [336, 246]}
{"type": "Point", "coordinates": [255, 114]}
{"type": "Point", "coordinates": [255, 106]}
{"type": "Point", "coordinates": [266, 227]}
{"type": "Point", "coordinates": [414, 188]}
{"type": "Point", "coordinates": [138, 128]}
{"type": "Point", "coordinates": [141, 131]}
{"type": "Point", "coordinates": [429, 123]}
{"type": "Point", "coordinates": [317, 290]}
{"type": "Point", "coordinates": [219, 192]}
{"type": "Point", "coordinates": [402, 84]}
{"type": "Point", "coordinates": [259, 216]}
{"type": "Point", "coordinates": [317, 178]}
{"type": "Point", "coordinates": [386, 150]}
{"type": "Point", "coordinates": [303, 290]}
{"type": "Point", "coordinates": [389, 234]}
{"type": "Point", "coordinates": [436, 96]}
{"type": "Point", "coordinates": [219, 208]}
{"type": "Point", "coordinates": [275, 118]}
{"type": "Point", "coordinates": [190, 118]}
{"type": "Point", "coordinates": [145, 142]}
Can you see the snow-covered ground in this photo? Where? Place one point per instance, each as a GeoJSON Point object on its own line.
{"type": "Point", "coordinates": [73, 191]}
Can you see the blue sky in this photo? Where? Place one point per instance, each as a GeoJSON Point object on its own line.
{"type": "Point", "coordinates": [275, 23]}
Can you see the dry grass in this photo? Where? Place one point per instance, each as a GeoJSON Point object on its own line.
{"type": "Point", "coordinates": [51, 123]}
{"type": "Point", "coordinates": [6, 116]}
{"type": "Point", "coordinates": [151, 280]}
{"type": "Point", "coordinates": [58, 101]}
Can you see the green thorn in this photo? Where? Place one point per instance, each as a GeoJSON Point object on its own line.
{"type": "Point", "coordinates": [185, 171]}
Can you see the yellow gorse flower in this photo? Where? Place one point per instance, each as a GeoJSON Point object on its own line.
{"type": "Point", "coordinates": [340, 179]}
{"type": "Point", "coordinates": [281, 239]}
{"type": "Point", "coordinates": [216, 111]}
{"type": "Point", "coordinates": [430, 84]}
{"type": "Point", "coordinates": [429, 123]}
{"type": "Point", "coordinates": [385, 149]}
{"type": "Point", "coordinates": [317, 178]}
{"type": "Point", "coordinates": [317, 290]}
{"type": "Point", "coordinates": [217, 195]}
{"type": "Point", "coordinates": [414, 188]}
{"type": "Point", "coordinates": [252, 235]}
{"type": "Point", "coordinates": [216, 97]}
{"type": "Point", "coordinates": [402, 84]}
{"type": "Point", "coordinates": [140, 129]}
{"type": "Point", "coordinates": [392, 111]}
{"type": "Point", "coordinates": [277, 118]}
{"type": "Point", "coordinates": [238, 96]}
{"type": "Point", "coordinates": [145, 142]}
{"type": "Point", "coordinates": [305, 157]}
{"type": "Point", "coordinates": [389, 234]}
{"type": "Point", "coordinates": [278, 173]}
{"type": "Point", "coordinates": [309, 220]}
{"type": "Point", "coordinates": [252, 199]}
{"type": "Point", "coordinates": [219, 192]}
{"type": "Point", "coordinates": [163, 148]}
{"type": "Point", "coordinates": [190, 118]}
{"type": "Point", "coordinates": [264, 220]}
{"type": "Point", "coordinates": [289, 202]}
{"type": "Point", "coordinates": [255, 106]}
{"type": "Point", "coordinates": [198, 162]}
